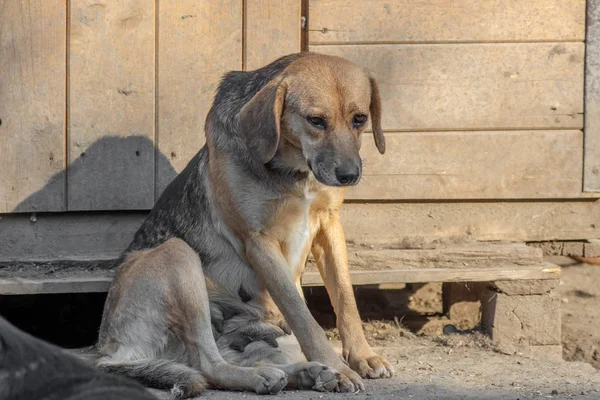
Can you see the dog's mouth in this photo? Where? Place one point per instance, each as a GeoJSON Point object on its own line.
{"type": "Point", "coordinates": [339, 177]}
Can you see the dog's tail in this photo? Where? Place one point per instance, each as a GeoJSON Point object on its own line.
{"type": "Point", "coordinates": [183, 382]}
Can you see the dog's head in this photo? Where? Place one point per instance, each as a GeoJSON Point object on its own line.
{"type": "Point", "coordinates": [315, 112]}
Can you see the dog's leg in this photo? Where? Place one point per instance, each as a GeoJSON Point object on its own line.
{"type": "Point", "coordinates": [192, 300]}
{"type": "Point", "coordinates": [264, 254]}
{"type": "Point", "coordinates": [288, 357]}
{"type": "Point", "coordinates": [331, 255]}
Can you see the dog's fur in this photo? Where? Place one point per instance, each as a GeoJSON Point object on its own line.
{"type": "Point", "coordinates": [198, 296]}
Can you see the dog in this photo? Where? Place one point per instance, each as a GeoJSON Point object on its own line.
{"type": "Point", "coordinates": [208, 292]}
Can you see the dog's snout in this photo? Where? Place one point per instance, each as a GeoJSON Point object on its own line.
{"type": "Point", "coordinates": [348, 174]}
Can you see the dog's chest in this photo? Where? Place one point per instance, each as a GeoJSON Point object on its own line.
{"type": "Point", "coordinates": [296, 229]}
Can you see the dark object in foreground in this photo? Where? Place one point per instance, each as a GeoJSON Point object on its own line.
{"type": "Point", "coordinates": [31, 369]}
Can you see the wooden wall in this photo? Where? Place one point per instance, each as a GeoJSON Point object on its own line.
{"type": "Point", "coordinates": [483, 100]}
{"type": "Point", "coordinates": [102, 103]}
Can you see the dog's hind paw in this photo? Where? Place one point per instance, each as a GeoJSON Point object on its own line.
{"type": "Point", "coordinates": [325, 379]}
{"type": "Point", "coordinates": [270, 380]}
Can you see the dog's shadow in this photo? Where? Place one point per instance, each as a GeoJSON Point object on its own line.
{"type": "Point", "coordinates": [114, 173]}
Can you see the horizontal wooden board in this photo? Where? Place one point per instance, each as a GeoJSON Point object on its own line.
{"type": "Point", "coordinates": [457, 256]}
{"type": "Point", "coordinates": [371, 21]}
{"type": "Point", "coordinates": [198, 42]}
{"type": "Point", "coordinates": [425, 275]}
{"type": "Point", "coordinates": [495, 220]}
{"type": "Point", "coordinates": [57, 236]}
{"type": "Point", "coordinates": [272, 30]}
{"type": "Point", "coordinates": [474, 86]}
{"type": "Point", "coordinates": [111, 105]}
{"type": "Point", "coordinates": [67, 236]}
{"type": "Point", "coordinates": [80, 281]}
{"type": "Point", "coordinates": [32, 105]}
{"type": "Point", "coordinates": [472, 165]}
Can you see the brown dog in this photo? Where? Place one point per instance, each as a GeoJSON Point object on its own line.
{"type": "Point", "coordinates": [212, 278]}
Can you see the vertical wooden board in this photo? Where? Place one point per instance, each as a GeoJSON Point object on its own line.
{"type": "Point", "coordinates": [503, 86]}
{"type": "Point", "coordinates": [111, 105]}
{"type": "Point", "coordinates": [32, 105]}
{"type": "Point", "coordinates": [273, 29]}
{"type": "Point", "coordinates": [198, 41]}
{"type": "Point", "coordinates": [372, 21]}
{"type": "Point", "coordinates": [591, 179]}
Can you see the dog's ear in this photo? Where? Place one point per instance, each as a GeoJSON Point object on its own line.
{"type": "Point", "coordinates": [375, 110]}
{"type": "Point", "coordinates": [260, 120]}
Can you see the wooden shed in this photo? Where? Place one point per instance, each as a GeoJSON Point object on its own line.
{"type": "Point", "coordinates": [491, 112]}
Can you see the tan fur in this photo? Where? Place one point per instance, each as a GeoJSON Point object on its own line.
{"type": "Point", "coordinates": [311, 87]}
{"type": "Point", "coordinates": [272, 229]}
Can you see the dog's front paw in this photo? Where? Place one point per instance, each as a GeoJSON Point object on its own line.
{"type": "Point", "coordinates": [348, 380]}
{"type": "Point", "coordinates": [371, 366]}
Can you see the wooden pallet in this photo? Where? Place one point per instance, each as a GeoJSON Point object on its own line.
{"type": "Point", "coordinates": [505, 287]}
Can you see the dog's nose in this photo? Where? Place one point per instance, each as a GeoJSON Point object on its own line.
{"type": "Point", "coordinates": [347, 174]}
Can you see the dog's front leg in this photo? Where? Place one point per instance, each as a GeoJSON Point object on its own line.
{"type": "Point", "coordinates": [264, 254]}
{"type": "Point", "coordinates": [331, 255]}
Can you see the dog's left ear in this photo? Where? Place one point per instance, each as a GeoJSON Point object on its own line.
{"type": "Point", "coordinates": [375, 110]}
{"type": "Point", "coordinates": [260, 120]}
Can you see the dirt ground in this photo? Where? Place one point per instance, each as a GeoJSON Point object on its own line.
{"type": "Point", "coordinates": [466, 366]}
{"type": "Point", "coordinates": [580, 291]}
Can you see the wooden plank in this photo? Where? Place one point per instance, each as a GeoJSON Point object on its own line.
{"type": "Point", "coordinates": [374, 21]}
{"type": "Point", "coordinates": [475, 86]}
{"type": "Point", "coordinates": [104, 235]}
{"type": "Point", "coordinates": [273, 29]}
{"type": "Point", "coordinates": [424, 222]}
{"type": "Point", "coordinates": [80, 283]}
{"type": "Point", "coordinates": [473, 165]}
{"type": "Point", "coordinates": [461, 256]}
{"type": "Point", "coordinates": [424, 275]}
{"type": "Point", "coordinates": [70, 236]}
{"type": "Point", "coordinates": [54, 286]}
{"type": "Point", "coordinates": [111, 105]}
{"type": "Point", "coordinates": [591, 177]}
{"type": "Point", "coordinates": [32, 105]}
{"type": "Point", "coordinates": [198, 41]}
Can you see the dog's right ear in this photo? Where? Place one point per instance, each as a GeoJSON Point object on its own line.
{"type": "Point", "coordinates": [260, 120]}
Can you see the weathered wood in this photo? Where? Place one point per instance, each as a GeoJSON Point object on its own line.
{"type": "Point", "coordinates": [32, 105]}
{"type": "Point", "coordinates": [423, 275]}
{"type": "Point", "coordinates": [374, 21]}
{"type": "Point", "coordinates": [67, 236]}
{"type": "Point", "coordinates": [474, 86]}
{"type": "Point", "coordinates": [53, 286]}
{"type": "Point", "coordinates": [198, 41]}
{"type": "Point", "coordinates": [591, 178]}
{"type": "Point", "coordinates": [472, 165]}
{"type": "Point", "coordinates": [273, 29]}
{"type": "Point", "coordinates": [513, 221]}
{"type": "Point", "coordinates": [111, 105]}
{"type": "Point", "coordinates": [98, 281]}
{"type": "Point", "coordinates": [480, 255]}
{"type": "Point", "coordinates": [522, 320]}
{"type": "Point", "coordinates": [105, 235]}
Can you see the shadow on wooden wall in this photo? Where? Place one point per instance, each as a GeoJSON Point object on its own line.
{"type": "Point", "coordinates": [114, 173]}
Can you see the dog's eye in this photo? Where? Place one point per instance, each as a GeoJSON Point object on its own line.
{"type": "Point", "coordinates": [319, 122]}
{"type": "Point", "coordinates": [359, 120]}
